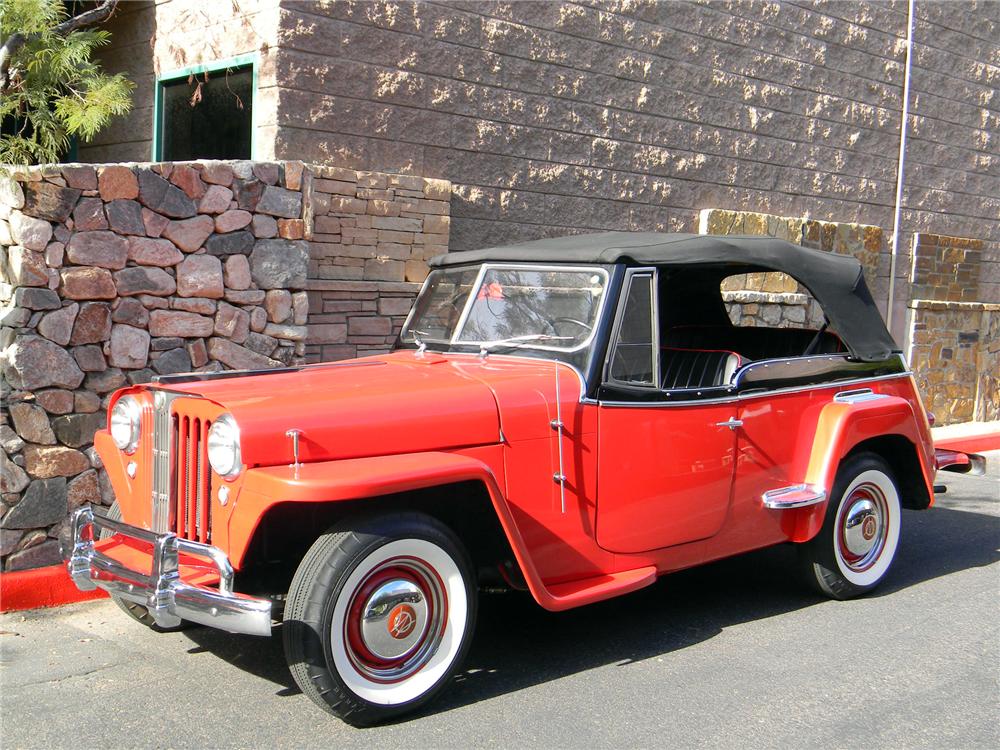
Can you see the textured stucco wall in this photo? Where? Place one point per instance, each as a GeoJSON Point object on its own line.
{"type": "Point", "coordinates": [153, 38]}
{"type": "Point", "coordinates": [567, 116]}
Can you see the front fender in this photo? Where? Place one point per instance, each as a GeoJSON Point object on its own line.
{"type": "Point", "coordinates": [360, 478]}
{"type": "Point", "coordinates": [841, 428]}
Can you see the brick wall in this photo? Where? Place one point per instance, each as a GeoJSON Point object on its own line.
{"type": "Point", "coordinates": [567, 116]}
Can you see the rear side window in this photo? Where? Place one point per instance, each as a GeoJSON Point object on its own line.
{"type": "Point", "coordinates": [634, 355]}
{"type": "Point", "coordinates": [770, 300]}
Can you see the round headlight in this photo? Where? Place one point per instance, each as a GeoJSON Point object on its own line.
{"type": "Point", "coordinates": [125, 424]}
{"type": "Point", "coordinates": [224, 447]}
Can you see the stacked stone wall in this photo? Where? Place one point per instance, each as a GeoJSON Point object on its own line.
{"type": "Point", "coordinates": [946, 268]}
{"type": "Point", "coordinates": [955, 357]}
{"type": "Point", "coordinates": [116, 274]}
{"type": "Point", "coordinates": [371, 236]}
{"type": "Point", "coordinates": [953, 344]}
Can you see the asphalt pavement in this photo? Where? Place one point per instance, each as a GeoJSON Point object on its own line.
{"type": "Point", "coordinates": [734, 654]}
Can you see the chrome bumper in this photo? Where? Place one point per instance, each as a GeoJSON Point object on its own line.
{"type": "Point", "coordinates": [168, 599]}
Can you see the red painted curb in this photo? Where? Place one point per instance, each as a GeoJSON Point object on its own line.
{"type": "Point", "coordinates": [985, 441]}
{"type": "Point", "coordinates": [41, 587]}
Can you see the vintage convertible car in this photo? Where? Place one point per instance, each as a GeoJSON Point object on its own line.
{"type": "Point", "coordinates": [572, 417]}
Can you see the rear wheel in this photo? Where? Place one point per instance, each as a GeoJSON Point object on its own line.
{"type": "Point", "coordinates": [379, 616]}
{"type": "Point", "coordinates": [136, 611]}
{"type": "Point", "coordinates": [854, 550]}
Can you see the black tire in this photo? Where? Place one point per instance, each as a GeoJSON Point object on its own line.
{"type": "Point", "coordinates": [354, 644]}
{"type": "Point", "coordinates": [136, 611]}
{"type": "Point", "coordinates": [855, 548]}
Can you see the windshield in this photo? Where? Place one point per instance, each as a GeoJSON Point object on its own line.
{"type": "Point", "coordinates": [508, 307]}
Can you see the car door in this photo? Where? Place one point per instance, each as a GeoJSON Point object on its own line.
{"type": "Point", "coordinates": [665, 460]}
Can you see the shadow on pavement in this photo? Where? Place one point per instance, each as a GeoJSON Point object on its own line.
{"type": "Point", "coordinates": [517, 644]}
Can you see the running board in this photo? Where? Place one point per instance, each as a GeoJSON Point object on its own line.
{"type": "Point", "coordinates": [795, 496]}
{"type": "Point", "coordinates": [576, 593]}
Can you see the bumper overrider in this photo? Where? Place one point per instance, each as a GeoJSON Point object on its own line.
{"type": "Point", "coordinates": [168, 598]}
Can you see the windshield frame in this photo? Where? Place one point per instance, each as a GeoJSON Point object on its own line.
{"type": "Point", "coordinates": [484, 268]}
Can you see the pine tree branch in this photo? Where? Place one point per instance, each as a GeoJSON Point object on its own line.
{"type": "Point", "coordinates": [16, 41]}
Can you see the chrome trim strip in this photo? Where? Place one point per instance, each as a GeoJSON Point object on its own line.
{"type": "Point", "coordinates": [168, 598]}
{"type": "Point", "coordinates": [858, 396]}
{"type": "Point", "coordinates": [794, 496]}
{"type": "Point", "coordinates": [749, 396]}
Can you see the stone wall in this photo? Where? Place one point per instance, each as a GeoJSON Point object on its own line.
{"type": "Point", "coordinates": [952, 340]}
{"type": "Point", "coordinates": [955, 356]}
{"type": "Point", "coordinates": [371, 237]}
{"type": "Point", "coordinates": [112, 275]}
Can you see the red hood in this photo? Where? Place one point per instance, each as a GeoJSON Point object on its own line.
{"type": "Point", "coordinates": [396, 403]}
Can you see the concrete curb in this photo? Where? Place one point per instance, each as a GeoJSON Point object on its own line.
{"type": "Point", "coordinates": [41, 587]}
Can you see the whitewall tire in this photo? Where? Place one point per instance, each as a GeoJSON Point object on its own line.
{"type": "Point", "coordinates": [857, 545]}
{"type": "Point", "coordinates": [379, 616]}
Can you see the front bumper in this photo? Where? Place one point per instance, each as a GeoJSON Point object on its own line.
{"type": "Point", "coordinates": [168, 598]}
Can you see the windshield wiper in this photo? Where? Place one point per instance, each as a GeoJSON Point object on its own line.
{"type": "Point", "coordinates": [517, 341]}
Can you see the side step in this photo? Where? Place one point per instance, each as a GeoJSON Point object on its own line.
{"type": "Point", "coordinates": [795, 496]}
{"type": "Point", "coordinates": [563, 596]}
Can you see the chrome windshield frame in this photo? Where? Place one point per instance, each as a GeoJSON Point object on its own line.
{"type": "Point", "coordinates": [484, 268]}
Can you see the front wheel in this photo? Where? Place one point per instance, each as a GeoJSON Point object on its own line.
{"type": "Point", "coordinates": [136, 611]}
{"type": "Point", "coordinates": [379, 615]}
{"type": "Point", "coordinates": [854, 550]}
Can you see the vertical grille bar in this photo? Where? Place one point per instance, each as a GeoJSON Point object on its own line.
{"type": "Point", "coordinates": [204, 486]}
{"type": "Point", "coordinates": [191, 500]}
{"type": "Point", "coordinates": [181, 495]}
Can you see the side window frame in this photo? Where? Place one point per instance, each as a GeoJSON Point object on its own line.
{"type": "Point", "coordinates": [241, 61]}
{"type": "Point", "coordinates": [650, 273]}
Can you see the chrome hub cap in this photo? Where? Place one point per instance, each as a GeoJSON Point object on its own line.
{"type": "Point", "coordinates": [395, 620]}
{"type": "Point", "coordinates": [863, 527]}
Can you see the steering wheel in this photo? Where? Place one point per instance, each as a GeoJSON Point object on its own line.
{"type": "Point", "coordinates": [585, 326]}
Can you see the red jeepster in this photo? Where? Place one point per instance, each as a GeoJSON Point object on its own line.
{"type": "Point", "coordinates": [573, 417]}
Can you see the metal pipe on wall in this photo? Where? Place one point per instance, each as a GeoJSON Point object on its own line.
{"type": "Point", "coordinates": [894, 255]}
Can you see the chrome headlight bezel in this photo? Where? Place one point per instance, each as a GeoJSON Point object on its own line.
{"type": "Point", "coordinates": [125, 424]}
{"type": "Point", "coordinates": [224, 454]}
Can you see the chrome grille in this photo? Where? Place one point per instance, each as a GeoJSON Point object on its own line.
{"type": "Point", "coordinates": [162, 460]}
{"type": "Point", "coordinates": [181, 475]}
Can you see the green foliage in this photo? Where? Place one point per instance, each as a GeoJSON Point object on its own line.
{"type": "Point", "coordinates": [54, 91]}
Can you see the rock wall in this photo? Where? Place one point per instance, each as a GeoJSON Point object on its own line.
{"type": "Point", "coordinates": [113, 275]}
{"type": "Point", "coordinates": [953, 341]}
{"type": "Point", "coordinates": [955, 357]}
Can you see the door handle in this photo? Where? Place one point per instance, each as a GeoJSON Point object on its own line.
{"type": "Point", "coordinates": [732, 423]}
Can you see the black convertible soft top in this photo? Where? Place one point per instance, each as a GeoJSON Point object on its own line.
{"type": "Point", "coordinates": [836, 281]}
